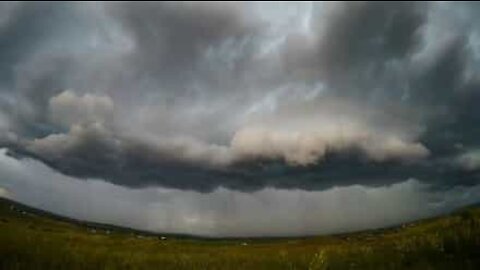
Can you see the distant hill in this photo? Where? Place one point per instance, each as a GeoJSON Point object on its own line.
{"type": "Point", "coordinates": [20, 207]}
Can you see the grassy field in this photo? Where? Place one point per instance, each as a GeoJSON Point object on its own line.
{"type": "Point", "coordinates": [29, 240]}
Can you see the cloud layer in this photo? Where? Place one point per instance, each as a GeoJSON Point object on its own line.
{"type": "Point", "coordinates": [269, 212]}
{"type": "Point", "coordinates": [198, 96]}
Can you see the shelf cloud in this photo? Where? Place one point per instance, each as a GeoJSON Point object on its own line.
{"type": "Point", "coordinates": [244, 97]}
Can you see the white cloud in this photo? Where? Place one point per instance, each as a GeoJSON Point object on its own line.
{"type": "Point", "coordinates": [68, 108]}
{"type": "Point", "coordinates": [469, 160]}
{"type": "Point", "coordinates": [4, 193]}
{"type": "Point", "coordinates": [309, 147]}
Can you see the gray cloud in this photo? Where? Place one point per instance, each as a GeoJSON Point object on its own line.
{"type": "Point", "coordinates": [200, 96]}
{"type": "Point", "coordinates": [95, 147]}
{"type": "Point", "coordinates": [225, 212]}
{"type": "Point", "coordinates": [176, 35]}
{"type": "Point", "coordinates": [367, 35]}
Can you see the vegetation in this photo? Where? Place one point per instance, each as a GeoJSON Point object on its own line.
{"type": "Point", "coordinates": [29, 240]}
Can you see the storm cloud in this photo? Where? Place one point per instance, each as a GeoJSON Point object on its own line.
{"type": "Point", "coordinates": [225, 212]}
{"type": "Point", "coordinates": [243, 96]}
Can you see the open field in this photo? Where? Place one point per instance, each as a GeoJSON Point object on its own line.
{"type": "Point", "coordinates": [31, 240]}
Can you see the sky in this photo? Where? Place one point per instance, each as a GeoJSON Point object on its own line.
{"type": "Point", "coordinates": [241, 119]}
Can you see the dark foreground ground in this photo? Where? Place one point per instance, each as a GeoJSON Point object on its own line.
{"type": "Point", "coordinates": [30, 239]}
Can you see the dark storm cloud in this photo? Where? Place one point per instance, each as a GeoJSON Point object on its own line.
{"type": "Point", "coordinates": [368, 35]}
{"type": "Point", "coordinates": [177, 48]}
{"type": "Point", "coordinates": [36, 60]}
{"type": "Point", "coordinates": [25, 26]}
{"type": "Point", "coordinates": [169, 38]}
{"type": "Point", "coordinates": [225, 212]}
{"type": "Point", "coordinates": [356, 43]}
{"type": "Point", "coordinates": [195, 96]}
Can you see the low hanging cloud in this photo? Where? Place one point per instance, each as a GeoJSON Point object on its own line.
{"type": "Point", "coordinates": [219, 118]}
{"type": "Point", "coordinates": [198, 96]}
{"type": "Point", "coordinates": [225, 212]}
{"type": "Point", "coordinates": [91, 137]}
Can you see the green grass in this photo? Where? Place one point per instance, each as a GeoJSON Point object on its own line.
{"type": "Point", "coordinates": [33, 241]}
